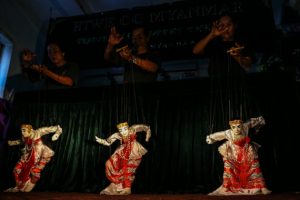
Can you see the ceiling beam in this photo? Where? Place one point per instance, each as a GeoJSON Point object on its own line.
{"type": "Point", "coordinates": [86, 8]}
{"type": "Point", "coordinates": [59, 8]}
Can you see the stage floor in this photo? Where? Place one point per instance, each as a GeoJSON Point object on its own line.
{"type": "Point", "coordinates": [94, 196]}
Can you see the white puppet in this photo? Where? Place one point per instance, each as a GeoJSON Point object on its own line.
{"type": "Point", "coordinates": [35, 156]}
{"type": "Point", "coordinates": [242, 174]}
{"type": "Point", "coordinates": [120, 168]}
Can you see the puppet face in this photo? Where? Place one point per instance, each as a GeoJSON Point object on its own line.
{"type": "Point", "coordinates": [26, 130]}
{"type": "Point", "coordinates": [236, 126]}
{"type": "Point", "coordinates": [123, 128]}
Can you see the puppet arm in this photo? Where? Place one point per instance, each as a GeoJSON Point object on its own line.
{"type": "Point", "coordinates": [144, 128]}
{"type": "Point", "coordinates": [214, 137]}
{"type": "Point", "coordinates": [14, 142]}
{"type": "Point", "coordinates": [50, 129]}
{"type": "Point", "coordinates": [111, 139]}
{"type": "Point", "coordinates": [58, 132]}
{"type": "Point", "coordinates": [256, 123]}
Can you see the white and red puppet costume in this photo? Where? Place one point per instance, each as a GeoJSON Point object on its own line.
{"type": "Point", "coordinates": [35, 156]}
{"type": "Point", "coordinates": [242, 174]}
{"type": "Point", "coordinates": [120, 168]}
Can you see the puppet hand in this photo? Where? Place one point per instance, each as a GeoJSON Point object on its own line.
{"type": "Point", "coordinates": [13, 142]}
{"type": "Point", "coordinates": [209, 140]}
{"type": "Point", "coordinates": [58, 132]}
{"type": "Point", "coordinates": [55, 137]}
{"type": "Point", "coordinates": [99, 140]}
{"type": "Point", "coordinates": [148, 135]}
{"type": "Point", "coordinates": [262, 120]}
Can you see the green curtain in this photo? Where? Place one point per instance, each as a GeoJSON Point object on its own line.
{"type": "Point", "coordinates": [178, 158]}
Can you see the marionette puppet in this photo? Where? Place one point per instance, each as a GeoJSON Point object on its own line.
{"type": "Point", "coordinates": [242, 174]}
{"type": "Point", "coordinates": [120, 168]}
{"type": "Point", "coordinates": [35, 157]}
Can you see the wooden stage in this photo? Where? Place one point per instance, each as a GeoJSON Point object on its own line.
{"type": "Point", "coordinates": [93, 196]}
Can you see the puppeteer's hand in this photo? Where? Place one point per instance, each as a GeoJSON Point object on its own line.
{"type": "Point", "coordinates": [236, 50]}
{"type": "Point", "coordinates": [38, 68]}
{"type": "Point", "coordinates": [27, 55]}
{"type": "Point", "coordinates": [217, 29]}
{"type": "Point", "coordinates": [126, 54]}
{"type": "Point", "coordinates": [114, 37]}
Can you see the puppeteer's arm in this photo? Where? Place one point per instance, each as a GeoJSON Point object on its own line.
{"type": "Point", "coordinates": [200, 46]}
{"type": "Point", "coordinates": [64, 80]}
{"type": "Point", "coordinates": [111, 139]}
{"type": "Point", "coordinates": [144, 64]}
{"type": "Point", "coordinates": [114, 38]}
{"type": "Point", "coordinates": [144, 128]}
{"type": "Point", "coordinates": [217, 136]}
{"type": "Point", "coordinates": [244, 61]}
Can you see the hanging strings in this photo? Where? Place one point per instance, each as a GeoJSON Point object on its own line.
{"type": "Point", "coordinates": [228, 97]}
{"type": "Point", "coordinates": [129, 100]}
{"type": "Point", "coordinates": [225, 101]}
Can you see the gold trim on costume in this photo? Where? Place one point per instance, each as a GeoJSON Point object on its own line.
{"type": "Point", "coordinates": [27, 126]}
{"type": "Point", "coordinates": [123, 124]}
